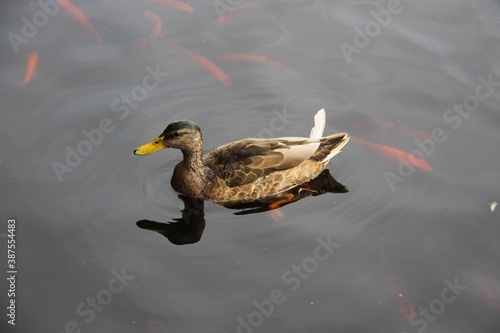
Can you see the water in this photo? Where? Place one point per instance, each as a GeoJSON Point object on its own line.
{"type": "Point", "coordinates": [395, 242]}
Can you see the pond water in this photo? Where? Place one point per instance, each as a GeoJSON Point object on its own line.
{"type": "Point", "coordinates": [409, 248]}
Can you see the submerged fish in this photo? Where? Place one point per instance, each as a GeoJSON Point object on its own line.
{"type": "Point", "coordinates": [489, 288]}
{"type": "Point", "coordinates": [399, 292]}
{"type": "Point", "coordinates": [206, 63]}
{"type": "Point", "coordinates": [31, 67]}
{"type": "Point", "coordinates": [157, 25]}
{"type": "Point", "coordinates": [238, 57]}
{"type": "Point", "coordinates": [395, 154]}
{"type": "Point", "coordinates": [80, 17]}
{"type": "Point", "coordinates": [156, 326]}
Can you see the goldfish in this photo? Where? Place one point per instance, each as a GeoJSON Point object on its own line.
{"type": "Point", "coordinates": [236, 57]}
{"type": "Point", "coordinates": [157, 25]}
{"type": "Point", "coordinates": [394, 154]}
{"type": "Point", "coordinates": [401, 297]}
{"type": "Point", "coordinates": [491, 290]}
{"type": "Point", "coordinates": [156, 326]}
{"type": "Point", "coordinates": [226, 17]}
{"type": "Point", "coordinates": [31, 67]}
{"type": "Point", "coordinates": [399, 293]}
{"type": "Point", "coordinates": [80, 17]}
{"type": "Point", "coordinates": [206, 63]}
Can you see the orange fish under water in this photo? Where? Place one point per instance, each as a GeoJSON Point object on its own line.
{"type": "Point", "coordinates": [393, 127]}
{"type": "Point", "coordinates": [80, 17]}
{"type": "Point", "coordinates": [31, 67]}
{"type": "Point", "coordinates": [238, 57]}
{"type": "Point", "coordinates": [156, 326]}
{"type": "Point", "coordinates": [394, 153]}
{"type": "Point", "coordinates": [491, 290]}
{"type": "Point", "coordinates": [206, 63]}
{"type": "Point", "coordinates": [174, 4]}
{"type": "Point", "coordinates": [157, 25]}
{"type": "Point", "coordinates": [401, 297]}
{"type": "Point", "coordinates": [399, 293]}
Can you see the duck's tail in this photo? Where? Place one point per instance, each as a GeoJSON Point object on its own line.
{"type": "Point", "coordinates": [330, 146]}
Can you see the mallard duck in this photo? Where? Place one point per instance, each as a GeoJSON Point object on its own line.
{"type": "Point", "coordinates": [247, 169]}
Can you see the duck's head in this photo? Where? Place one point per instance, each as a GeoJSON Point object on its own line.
{"type": "Point", "coordinates": [183, 134]}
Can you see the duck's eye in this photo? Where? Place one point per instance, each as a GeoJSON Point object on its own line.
{"type": "Point", "coordinates": [176, 134]}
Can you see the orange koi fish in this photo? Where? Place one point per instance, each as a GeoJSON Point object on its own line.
{"type": "Point", "coordinates": [401, 297]}
{"type": "Point", "coordinates": [237, 57]}
{"type": "Point", "coordinates": [157, 25]}
{"type": "Point", "coordinates": [207, 64]}
{"type": "Point", "coordinates": [492, 294]}
{"type": "Point", "coordinates": [226, 17]}
{"type": "Point", "coordinates": [399, 292]}
{"type": "Point", "coordinates": [31, 66]}
{"type": "Point", "coordinates": [156, 326]}
{"type": "Point", "coordinates": [394, 154]}
{"type": "Point", "coordinates": [393, 127]}
{"type": "Point", "coordinates": [174, 4]}
{"type": "Point", "coordinates": [80, 17]}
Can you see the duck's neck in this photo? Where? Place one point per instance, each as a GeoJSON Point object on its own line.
{"type": "Point", "coordinates": [189, 176]}
{"type": "Point", "coordinates": [193, 159]}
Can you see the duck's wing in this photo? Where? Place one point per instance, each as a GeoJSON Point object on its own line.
{"type": "Point", "coordinates": [245, 161]}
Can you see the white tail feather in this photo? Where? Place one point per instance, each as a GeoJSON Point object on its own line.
{"type": "Point", "coordinates": [319, 125]}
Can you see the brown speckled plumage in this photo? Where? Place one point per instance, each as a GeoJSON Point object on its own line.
{"type": "Point", "coordinates": [244, 170]}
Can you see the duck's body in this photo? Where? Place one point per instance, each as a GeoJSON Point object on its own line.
{"type": "Point", "coordinates": [248, 169]}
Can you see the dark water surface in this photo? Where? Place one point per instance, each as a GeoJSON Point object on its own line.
{"type": "Point", "coordinates": [403, 241]}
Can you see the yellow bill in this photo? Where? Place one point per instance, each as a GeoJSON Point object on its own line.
{"type": "Point", "coordinates": [149, 148]}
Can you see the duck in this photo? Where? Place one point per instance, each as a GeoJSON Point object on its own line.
{"type": "Point", "coordinates": [245, 170]}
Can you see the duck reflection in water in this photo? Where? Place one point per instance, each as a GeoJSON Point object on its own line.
{"type": "Point", "coordinates": [184, 230]}
{"type": "Point", "coordinates": [188, 229]}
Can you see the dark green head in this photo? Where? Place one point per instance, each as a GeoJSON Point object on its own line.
{"type": "Point", "coordinates": [181, 134]}
{"type": "Point", "coordinates": [180, 127]}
